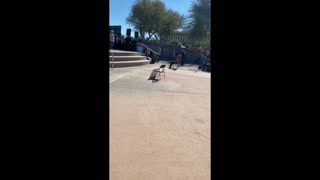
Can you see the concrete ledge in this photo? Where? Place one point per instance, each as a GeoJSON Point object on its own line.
{"type": "Point", "coordinates": [127, 58]}
{"type": "Point", "coordinates": [117, 64]}
{"type": "Point", "coordinates": [124, 53]}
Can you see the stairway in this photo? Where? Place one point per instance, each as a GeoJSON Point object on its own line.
{"type": "Point", "coordinates": [127, 59]}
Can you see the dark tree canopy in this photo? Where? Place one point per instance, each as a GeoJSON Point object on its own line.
{"type": "Point", "coordinates": [199, 23]}
{"type": "Point", "coordinates": [152, 17]}
{"type": "Point", "coordinates": [171, 21]}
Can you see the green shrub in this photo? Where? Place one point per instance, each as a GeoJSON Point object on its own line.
{"type": "Point", "coordinates": [174, 42]}
{"type": "Point", "coordinates": [197, 45]}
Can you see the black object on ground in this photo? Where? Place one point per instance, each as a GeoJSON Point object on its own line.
{"type": "Point", "coordinates": [153, 74]}
{"type": "Point", "coordinates": [161, 70]}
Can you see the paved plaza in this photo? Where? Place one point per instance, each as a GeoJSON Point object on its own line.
{"type": "Point", "coordinates": [159, 129]}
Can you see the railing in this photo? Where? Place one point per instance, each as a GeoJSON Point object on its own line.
{"type": "Point", "coordinates": [148, 48]}
{"type": "Point", "coordinates": [111, 59]}
{"type": "Point", "coordinates": [157, 59]}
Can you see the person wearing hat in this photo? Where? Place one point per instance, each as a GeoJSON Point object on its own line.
{"type": "Point", "coordinates": [111, 39]}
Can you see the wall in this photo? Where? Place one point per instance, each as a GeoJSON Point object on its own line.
{"type": "Point", "coordinates": [192, 55]}
{"type": "Point", "coordinates": [182, 38]}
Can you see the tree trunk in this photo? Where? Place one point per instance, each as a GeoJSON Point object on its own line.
{"type": "Point", "coordinates": [150, 35]}
{"type": "Point", "coordinates": [156, 37]}
{"type": "Point", "coordinates": [142, 35]}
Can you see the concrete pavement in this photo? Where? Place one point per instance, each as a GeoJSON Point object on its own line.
{"type": "Point", "coordinates": [159, 129]}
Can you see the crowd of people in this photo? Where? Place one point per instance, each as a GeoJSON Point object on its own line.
{"type": "Point", "coordinates": [120, 43]}
{"type": "Point", "coordinates": [178, 53]}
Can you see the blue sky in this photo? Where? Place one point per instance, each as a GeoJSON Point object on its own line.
{"type": "Point", "coordinates": [120, 9]}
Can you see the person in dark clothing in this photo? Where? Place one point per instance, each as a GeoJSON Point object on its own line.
{"type": "Point", "coordinates": [117, 42]}
{"type": "Point", "coordinates": [133, 45]}
{"type": "Point", "coordinates": [203, 59]}
{"type": "Point", "coordinates": [121, 43]}
{"type": "Point", "coordinates": [151, 54]}
{"type": "Point", "coordinates": [111, 39]}
{"type": "Point", "coordinates": [115, 45]}
{"type": "Point", "coordinates": [147, 52]}
{"type": "Point", "coordinates": [178, 61]}
{"type": "Point", "coordinates": [182, 57]}
{"type": "Point", "coordinates": [158, 56]}
{"type": "Point", "coordinates": [128, 43]}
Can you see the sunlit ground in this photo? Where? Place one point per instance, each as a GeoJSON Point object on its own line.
{"type": "Point", "coordinates": [159, 129]}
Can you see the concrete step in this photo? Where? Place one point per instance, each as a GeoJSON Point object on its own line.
{"type": "Point", "coordinates": [124, 53]}
{"type": "Point", "coordinates": [127, 58]}
{"type": "Point", "coordinates": [117, 64]}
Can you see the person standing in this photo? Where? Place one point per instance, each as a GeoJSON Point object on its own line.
{"type": "Point", "coordinates": [159, 50]}
{"type": "Point", "coordinates": [179, 54]}
{"type": "Point", "coordinates": [127, 43]}
{"type": "Point", "coordinates": [182, 56]}
{"type": "Point", "coordinates": [122, 46]}
{"type": "Point", "coordinates": [202, 58]}
{"type": "Point", "coordinates": [117, 42]}
{"type": "Point", "coordinates": [111, 39]}
{"type": "Point", "coordinates": [208, 54]}
{"type": "Point", "coordinates": [159, 53]}
{"type": "Point", "coordinates": [174, 53]}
